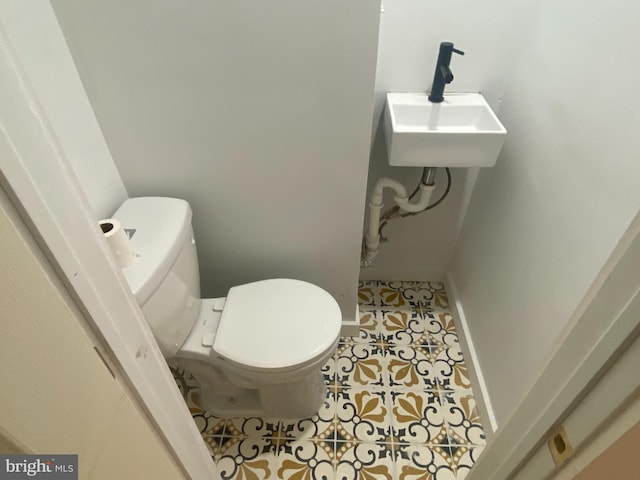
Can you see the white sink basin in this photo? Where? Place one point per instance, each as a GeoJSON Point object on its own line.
{"type": "Point", "coordinates": [462, 131]}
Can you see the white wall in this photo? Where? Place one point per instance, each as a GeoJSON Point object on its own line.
{"type": "Point", "coordinates": [257, 113]}
{"type": "Point", "coordinates": [542, 222]}
{"type": "Point", "coordinates": [489, 33]}
{"type": "Point", "coordinates": [38, 42]}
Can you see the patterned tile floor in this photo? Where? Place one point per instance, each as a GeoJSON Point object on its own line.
{"type": "Point", "coordinates": [399, 403]}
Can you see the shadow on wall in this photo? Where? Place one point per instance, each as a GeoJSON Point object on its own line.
{"type": "Point", "coordinates": [420, 247]}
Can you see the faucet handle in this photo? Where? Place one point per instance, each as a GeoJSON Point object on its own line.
{"type": "Point", "coordinates": [455, 50]}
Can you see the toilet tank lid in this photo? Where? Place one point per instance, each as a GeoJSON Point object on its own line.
{"type": "Point", "coordinates": [158, 227]}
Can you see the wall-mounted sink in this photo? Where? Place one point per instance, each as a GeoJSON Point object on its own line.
{"type": "Point", "coordinates": [462, 131]}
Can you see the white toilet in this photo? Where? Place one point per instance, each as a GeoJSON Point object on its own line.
{"type": "Point", "coordinates": [257, 351]}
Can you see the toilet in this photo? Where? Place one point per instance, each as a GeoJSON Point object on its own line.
{"type": "Point", "coordinates": [259, 350]}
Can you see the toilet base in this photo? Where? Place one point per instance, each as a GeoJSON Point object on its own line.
{"type": "Point", "coordinates": [245, 404]}
{"type": "Point", "coordinates": [299, 399]}
{"type": "Point", "coordinates": [220, 397]}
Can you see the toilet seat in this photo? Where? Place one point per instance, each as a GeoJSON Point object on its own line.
{"type": "Point", "coordinates": [277, 324]}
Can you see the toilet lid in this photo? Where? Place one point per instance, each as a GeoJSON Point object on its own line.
{"type": "Point", "coordinates": [278, 323]}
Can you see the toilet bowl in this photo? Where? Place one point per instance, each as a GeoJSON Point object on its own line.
{"type": "Point", "coordinates": [257, 351]}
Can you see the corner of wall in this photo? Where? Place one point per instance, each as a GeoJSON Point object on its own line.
{"type": "Point", "coordinates": [351, 326]}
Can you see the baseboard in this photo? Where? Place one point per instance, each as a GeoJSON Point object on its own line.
{"type": "Point", "coordinates": [483, 401]}
{"type": "Point", "coordinates": [351, 327]}
{"type": "Point", "coordinates": [390, 274]}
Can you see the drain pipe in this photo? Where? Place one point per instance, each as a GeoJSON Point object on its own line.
{"type": "Point", "coordinates": [372, 237]}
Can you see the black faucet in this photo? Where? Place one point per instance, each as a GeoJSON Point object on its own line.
{"type": "Point", "coordinates": [443, 74]}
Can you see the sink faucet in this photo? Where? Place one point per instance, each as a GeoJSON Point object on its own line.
{"type": "Point", "coordinates": [443, 74]}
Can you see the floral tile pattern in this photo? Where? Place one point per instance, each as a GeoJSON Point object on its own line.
{"type": "Point", "coordinates": [366, 461]}
{"type": "Point", "coordinates": [425, 463]}
{"type": "Point", "coordinates": [442, 330]}
{"type": "Point", "coordinates": [404, 327]}
{"type": "Point", "coordinates": [417, 418]}
{"type": "Point", "coordinates": [463, 421]}
{"type": "Point", "coordinates": [410, 367]}
{"type": "Point", "coordinates": [360, 365]}
{"type": "Point", "coordinates": [363, 415]}
{"type": "Point", "coordinates": [320, 427]}
{"type": "Point", "coordinates": [305, 459]}
{"type": "Point", "coordinates": [449, 368]}
{"type": "Point", "coordinates": [466, 461]}
{"type": "Point", "coordinates": [399, 403]}
{"type": "Point", "coordinates": [248, 458]}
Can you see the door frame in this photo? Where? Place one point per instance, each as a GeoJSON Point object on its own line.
{"type": "Point", "coordinates": [605, 414]}
{"type": "Point", "coordinates": [37, 177]}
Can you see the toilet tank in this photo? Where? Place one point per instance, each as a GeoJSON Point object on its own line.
{"type": "Point", "coordinates": [165, 278]}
